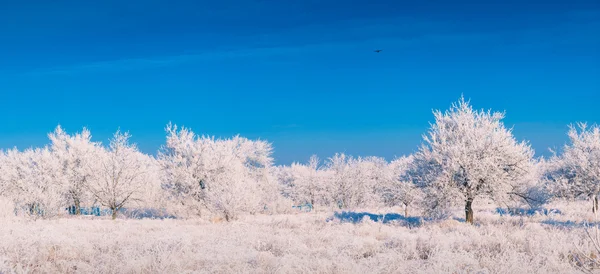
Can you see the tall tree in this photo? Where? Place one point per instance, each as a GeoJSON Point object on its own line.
{"type": "Point", "coordinates": [469, 153]}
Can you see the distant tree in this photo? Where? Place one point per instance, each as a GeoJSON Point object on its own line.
{"type": "Point", "coordinates": [355, 182]}
{"type": "Point", "coordinates": [77, 159]}
{"type": "Point", "coordinates": [306, 183]}
{"type": "Point", "coordinates": [469, 153]}
{"type": "Point", "coordinates": [122, 176]}
{"type": "Point", "coordinates": [400, 190]}
{"type": "Point", "coordinates": [30, 179]}
{"type": "Point", "coordinates": [226, 177]}
{"type": "Point", "coordinates": [373, 173]}
{"type": "Point", "coordinates": [576, 172]}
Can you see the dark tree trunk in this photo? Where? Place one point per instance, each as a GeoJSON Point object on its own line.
{"type": "Point", "coordinates": [595, 204]}
{"type": "Point", "coordinates": [469, 211]}
{"type": "Point", "coordinates": [114, 213]}
{"type": "Point", "coordinates": [77, 207]}
{"type": "Point", "coordinates": [405, 211]}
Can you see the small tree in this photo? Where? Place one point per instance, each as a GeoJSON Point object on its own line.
{"type": "Point", "coordinates": [305, 182]}
{"type": "Point", "coordinates": [354, 182]}
{"type": "Point", "coordinates": [341, 185]}
{"type": "Point", "coordinates": [122, 174]}
{"type": "Point", "coordinates": [470, 153]}
{"type": "Point", "coordinates": [400, 190]}
{"type": "Point", "coordinates": [577, 171]}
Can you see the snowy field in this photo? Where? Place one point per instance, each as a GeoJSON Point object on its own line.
{"type": "Point", "coordinates": [304, 243]}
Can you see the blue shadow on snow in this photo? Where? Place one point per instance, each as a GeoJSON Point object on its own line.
{"type": "Point", "coordinates": [526, 212]}
{"type": "Point", "coordinates": [357, 217]}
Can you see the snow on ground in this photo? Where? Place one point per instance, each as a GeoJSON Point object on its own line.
{"type": "Point", "coordinates": [299, 243]}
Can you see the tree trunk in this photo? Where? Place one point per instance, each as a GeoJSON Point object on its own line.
{"type": "Point", "coordinates": [595, 204]}
{"type": "Point", "coordinates": [77, 207]}
{"type": "Point", "coordinates": [469, 211]}
{"type": "Point", "coordinates": [114, 213]}
{"type": "Point", "coordinates": [405, 211]}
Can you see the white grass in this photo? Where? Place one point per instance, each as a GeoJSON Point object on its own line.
{"type": "Point", "coordinates": [296, 243]}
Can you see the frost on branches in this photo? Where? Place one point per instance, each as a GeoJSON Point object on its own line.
{"type": "Point", "coordinates": [31, 180]}
{"type": "Point", "coordinates": [305, 183]}
{"type": "Point", "coordinates": [577, 171]}
{"type": "Point", "coordinates": [77, 160]}
{"type": "Point", "coordinates": [356, 182]}
{"type": "Point", "coordinates": [400, 190]}
{"type": "Point", "coordinates": [123, 174]}
{"type": "Point", "coordinates": [224, 176]}
{"type": "Point", "coordinates": [467, 154]}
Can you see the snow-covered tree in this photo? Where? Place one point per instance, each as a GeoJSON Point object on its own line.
{"type": "Point", "coordinates": [355, 182]}
{"type": "Point", "coordinates": [77, 157]}
{"type": "Point", "coordinates": [400, 189]}
{"type": "Point", "coordinates": [123, 176]}
{"type": "Point", "coordinates": [31, 179]}
{"type": "Point", "coordinates": [225, 176]}
{"type": "Point", "coordinates": [306, 183]}
{"type": "Point", "coordinates": [577, 171]}
{"type": "Point", "coordinates": [469, 153]}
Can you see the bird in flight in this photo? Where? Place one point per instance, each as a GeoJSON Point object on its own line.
{"type": "Point", "coordinates": [377, 50]}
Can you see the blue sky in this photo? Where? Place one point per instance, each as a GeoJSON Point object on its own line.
{"type": "Point", "coordinates": [301, 74]}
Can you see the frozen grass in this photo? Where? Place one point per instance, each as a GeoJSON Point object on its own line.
{"type": "Point", "coordinates": [296, 243]}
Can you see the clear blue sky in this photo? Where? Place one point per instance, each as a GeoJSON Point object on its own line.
{"type": "Point", "coordinates": [301, 74]}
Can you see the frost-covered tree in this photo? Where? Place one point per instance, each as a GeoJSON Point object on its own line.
{"type": "Point", "coordinates": [400, 189]}
{"type": "Point", "coordinates": [31, 179]}
{"type": "Point", "coordinates": [77, 157]}
{"type": "Point", "coordinates": [355, 182]}
{"type": "Point", "coordinates": [122, 177]}
{"type": "Point", "coordinates": [225, 176]}
{"type": "Point", "coordinates": [469, 153]}
{"type": "Point", "coordinates": [305, 183]}
{"type": "Point", "coordinates": [577, 171]}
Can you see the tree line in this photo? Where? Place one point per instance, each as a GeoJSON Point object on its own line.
{"type": "Point", "coordinates": [466, 155]}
